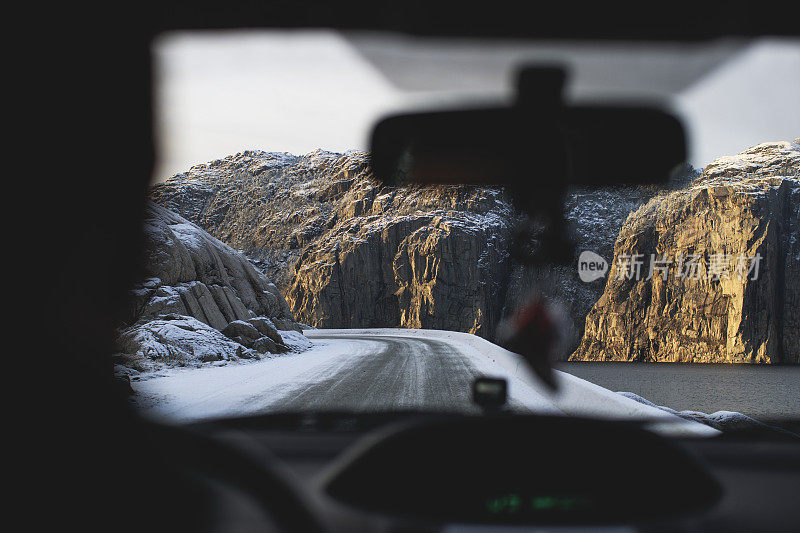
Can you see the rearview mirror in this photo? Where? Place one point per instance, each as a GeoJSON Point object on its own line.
{"type": "Point", "coordinates": [537, 141]}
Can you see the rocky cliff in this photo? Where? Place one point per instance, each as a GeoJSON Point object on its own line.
{"type": "Point", "coordinates": [726, 287]}
{"type": "Point", "coordinates": [202, 301]}
{"type": "Point", "coordinates": [347, 252]}
{"type": "Point", "coordinates": [595, 218]}
{"type": "Point", "coordinates": [267, 205]}
{"type": "Point", "coordinates": [425, 270]}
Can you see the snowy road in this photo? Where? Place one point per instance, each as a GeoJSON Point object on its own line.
{"type": "Point", "coordinates": [394, 372]}
{"type": "Point", "coordinates": [346, 371]}
{"type": "Point", "coordinates": [374, 370]}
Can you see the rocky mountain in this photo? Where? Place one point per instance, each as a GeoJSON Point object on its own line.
{"type": "Point", "coordinates": [202, 301]}
{"type": "Point", "coordinates": [347, 252]}
{"type": "Point", "coordinates": [727, 286]}
{"type": "Point", "coordinates": [267, 205]}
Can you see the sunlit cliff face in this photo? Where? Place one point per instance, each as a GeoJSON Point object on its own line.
{"type": "Point", "coordinates": [741, 221]}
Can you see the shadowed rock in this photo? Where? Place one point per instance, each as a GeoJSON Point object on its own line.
{"type": "Point", "coordinates": [175, 340]}
{"type": "Point", "coordinates": [196, 279]}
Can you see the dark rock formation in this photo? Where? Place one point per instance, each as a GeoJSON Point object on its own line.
{"type": "Point", "coordinates": [708, 305]}
{"type": "Point", "coordinates": [441, 271]}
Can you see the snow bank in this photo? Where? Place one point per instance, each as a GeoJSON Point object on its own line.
{"type": "Point", "coordinates": [199, 393]}
{"type": "Point", "coordinates": [721, 420]}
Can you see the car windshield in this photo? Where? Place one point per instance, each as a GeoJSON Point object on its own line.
{"type": "Point", "coordinates": [283, 277]}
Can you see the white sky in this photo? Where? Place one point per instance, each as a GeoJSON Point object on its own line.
{"type": "Point", "coordinates": [219, 93]}
{"type": "Point", "coordinates": [753, 98]}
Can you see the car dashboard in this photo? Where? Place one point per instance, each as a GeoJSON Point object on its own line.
{"type": "Point", "coordinates": [407, 472]}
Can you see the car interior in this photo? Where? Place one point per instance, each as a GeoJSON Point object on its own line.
{"type": "Point", "coordinates": [404, 470]}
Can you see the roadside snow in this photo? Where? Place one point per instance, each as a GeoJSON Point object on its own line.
{"type": "Point", "coordinates": [243, 389]}
{"type": "Point", "coordinates": [192, 394]}
{"type": "Point", "coordinates": [173, 340]}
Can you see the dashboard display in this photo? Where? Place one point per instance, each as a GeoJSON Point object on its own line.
{"type": "Point", "coordinates": [524, 470]}
{"type": "Point", "coordinates": [515, 503]}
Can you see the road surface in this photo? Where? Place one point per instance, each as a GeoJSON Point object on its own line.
{"type": "Point", "coordinates": [374, 370]}
{"type": "Point", "coordinates": [394, 373]}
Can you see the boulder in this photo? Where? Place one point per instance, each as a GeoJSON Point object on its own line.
{"type": "Point", "coordinates": [265, 345]}
{"type": "Point", "coordinates": [287, 325]}
{"type": "Point", "coordinates": [266, 328]}
{"type": "Point", "coordinates": [257, 333]}
{"type": "Point", "coordinates": [244, 332]}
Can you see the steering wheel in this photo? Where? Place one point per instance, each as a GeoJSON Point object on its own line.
{"type": "Point", "coordinates": [261, 479]}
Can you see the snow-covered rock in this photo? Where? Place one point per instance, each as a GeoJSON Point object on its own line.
{"type": "Point", "coordinates": [348, 252]}
{"type": "Point", "coordinates": [296, 342]}
{"type": "Point", "coordinates": [720, 420]}
{"type": "Point", "coordinates": [193, 278]}
{"type": "Point", "coordinates": [176, 340]}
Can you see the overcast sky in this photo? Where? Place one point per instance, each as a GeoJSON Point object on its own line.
{"type": "Point", "coordinates": [219, 93]}
{"type": "Point", "coordinates": [752, 98]}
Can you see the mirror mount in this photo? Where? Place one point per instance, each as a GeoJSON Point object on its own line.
{"type": "Point", "coordinates": [540, 87]}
